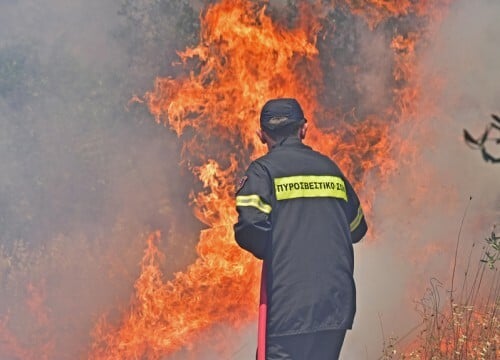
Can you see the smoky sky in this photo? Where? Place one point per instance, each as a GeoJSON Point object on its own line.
{"type": "Point", "coordinates": [419, 213]}
{"type": "Point", "coordinates": [84, 174]}
{"type": "Point", "coordinates": [72, 155]}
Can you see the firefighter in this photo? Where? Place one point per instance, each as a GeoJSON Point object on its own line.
{"type": "Point", "coordinates": [300, 214]}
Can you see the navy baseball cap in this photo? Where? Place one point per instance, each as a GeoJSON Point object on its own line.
{"type": "Point", "coordinates": [278, 114]}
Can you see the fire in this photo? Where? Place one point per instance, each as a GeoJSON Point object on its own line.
{"type": "Point", "coordinates": [465, 331]}
{"type": "Point", "coordinates": [246, 56]}
{"type": "Point", "coordinates": [378, 11]}
{"type": "Point", "coordinates": [239, 44]}
{"type": "Point", "coordinates": [242, 60]}
{"type": "Point", "coordinates": [42, 340]}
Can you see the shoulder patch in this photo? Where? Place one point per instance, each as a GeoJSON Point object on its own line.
{"type": "Point", "coordinates": [241, 182]}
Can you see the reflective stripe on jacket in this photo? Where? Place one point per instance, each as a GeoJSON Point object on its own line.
{"type": "Point", "coordinates": [300, 215]}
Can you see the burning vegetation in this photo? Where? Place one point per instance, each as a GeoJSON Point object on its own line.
{"type": "Point", "coordinates": [461, 323]}
{"type": "Point", "coordinates": [239, 54]}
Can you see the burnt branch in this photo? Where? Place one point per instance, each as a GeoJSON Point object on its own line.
{"type": "Point", "coordinates": [480, 142]}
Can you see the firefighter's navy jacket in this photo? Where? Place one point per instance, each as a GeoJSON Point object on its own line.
{"type": "Point", "coordinates": [299, 213]}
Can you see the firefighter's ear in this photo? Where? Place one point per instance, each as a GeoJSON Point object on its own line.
{"type": "Point", "coordinates": [303, 131]}
{"type": "Point", "coordinates": [260, 134]}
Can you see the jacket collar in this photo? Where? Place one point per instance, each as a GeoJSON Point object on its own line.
{"type": "Point", "coordinates": [292, 141]}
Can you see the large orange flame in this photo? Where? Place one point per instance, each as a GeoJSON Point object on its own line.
{"type": "Point", "coordinates": [242, 60]}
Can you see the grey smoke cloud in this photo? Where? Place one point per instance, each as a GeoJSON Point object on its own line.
{"type": "Point", "coordinates": [82, 178]}
{"type": "Point", "coordinates": [418, 213]}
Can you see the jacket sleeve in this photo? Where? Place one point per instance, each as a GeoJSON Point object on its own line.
{"type": "Point", "coordinates": [354, 214]}
{"type": "Point", "coordinates": [253, 229]}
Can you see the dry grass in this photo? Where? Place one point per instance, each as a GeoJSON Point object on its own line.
{"type": "Point", "coordinates": [463, 325]}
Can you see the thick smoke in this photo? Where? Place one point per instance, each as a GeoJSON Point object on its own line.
{"type": "Point", "coordinates": [418, 214]}
{"type": "Point", "coordinates": [83, 175]}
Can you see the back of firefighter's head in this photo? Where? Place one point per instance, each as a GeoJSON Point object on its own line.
{"type": "Point", "coordinates": [282, 118]}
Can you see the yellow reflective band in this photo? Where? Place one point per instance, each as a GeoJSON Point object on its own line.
{"type": "Point", "coordinates": [307, 186]}
{"type": "Point", "coordinates": [254, 201]}
{"type": "Point", "coordinates": [357, 220]}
